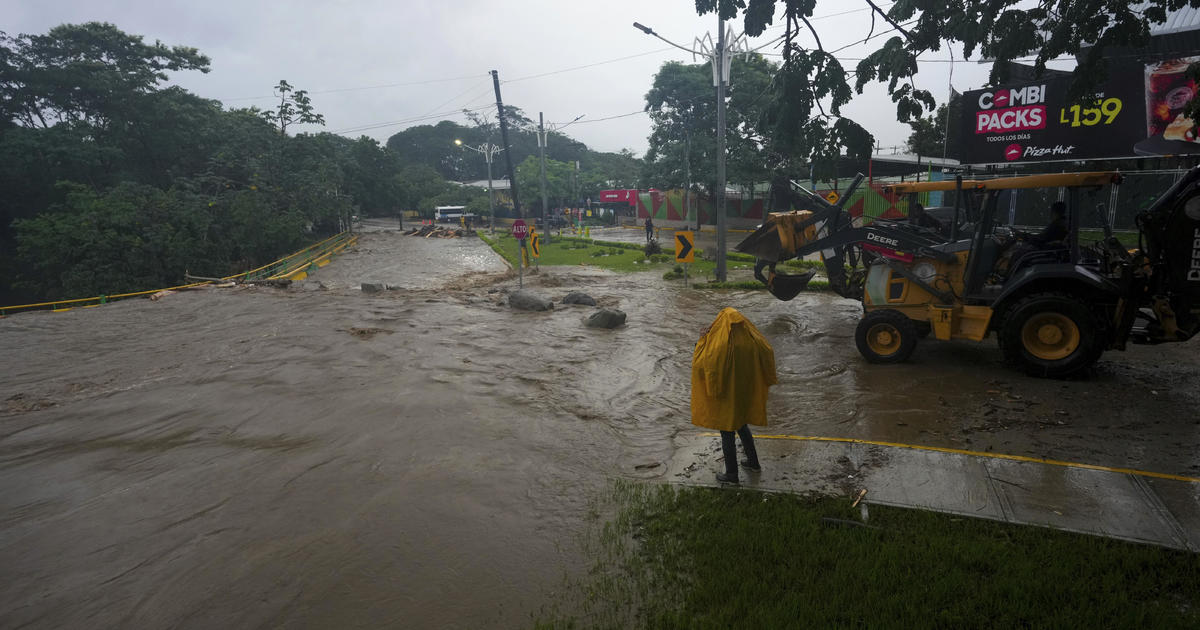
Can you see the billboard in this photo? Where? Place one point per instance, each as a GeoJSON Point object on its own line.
{"type": "Point", "coordinates": [1137, 112]}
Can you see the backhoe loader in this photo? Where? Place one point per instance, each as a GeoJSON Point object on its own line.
{"type": "Point", "coordinates": [1055, 306]}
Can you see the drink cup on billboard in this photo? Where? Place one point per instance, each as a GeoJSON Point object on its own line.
{"type": "Point", "coordinates": [1168, 89]}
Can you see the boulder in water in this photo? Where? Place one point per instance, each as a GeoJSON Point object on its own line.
{"type": "Point", "coordinates": [372, 287]}
{"type": "Point", "coordinates": [606, 318]}
{"type": "Point", "coordinates": [576, 297]}
{"type": "Point", "coordinates": [529, 301]}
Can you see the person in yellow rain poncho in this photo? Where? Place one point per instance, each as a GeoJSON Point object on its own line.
{"type": "Point", "coordinates": [732, 367]}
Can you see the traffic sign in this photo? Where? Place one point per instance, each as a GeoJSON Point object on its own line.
{"type": "Point", "coordinates": [832, 196]}
{"type": "Point", "coordinates": [684, 252]}
{"type": "Point", "coordinates": [520, 230]}
{"type": "Point", "coordinates": [535, 245]}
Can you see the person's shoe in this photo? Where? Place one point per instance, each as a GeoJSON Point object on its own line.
{"type": "Point", "coordinates": [727, 478]}
{"type": "Point", "coordinates": [751, 466]}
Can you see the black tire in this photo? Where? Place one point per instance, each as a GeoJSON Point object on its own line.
{"type": "Point", "coordinates": [886, 336]}
{"type": "Point", "coordinates": [1050, 335]}
{"type": "Point", "coordinates": [923, 329]}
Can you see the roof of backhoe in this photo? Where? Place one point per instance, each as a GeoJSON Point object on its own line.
{"type": "Point", "coordinates": [904, 188]}
{"type": "Point", "coordinates": [1052, 180]}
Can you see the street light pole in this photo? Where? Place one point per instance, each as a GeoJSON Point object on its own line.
{"type": "Point", "coordinates": [489, 152]}
{"type": "Point", "coordinates": [541, 135]}
{"type": "Point", "coordinates": [719, 74]}
{"type": "Point", "coordinates": [719, 55]}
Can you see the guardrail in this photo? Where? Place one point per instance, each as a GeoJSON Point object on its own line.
{"type": "Point", "coordinates": [295, 266]}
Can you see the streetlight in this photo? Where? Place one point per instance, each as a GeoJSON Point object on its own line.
{"type": "Point", "coordinates": [541, 137]}
{"type": "Point", "coordinates": [720, 56]}
{"type": "Point", "coordinates": [489, 152]}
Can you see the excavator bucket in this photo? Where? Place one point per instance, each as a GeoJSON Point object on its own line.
{"type": "Point", "coordinates": [778, 238]}
{"type": "Point", "coordinates": [787, 286]}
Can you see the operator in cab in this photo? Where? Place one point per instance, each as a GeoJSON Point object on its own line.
{"type": "Point", "coordinates": [1056, 230]}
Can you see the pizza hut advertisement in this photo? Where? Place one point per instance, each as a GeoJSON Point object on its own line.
{"type": "Point", "coordinates": [1137, 113]}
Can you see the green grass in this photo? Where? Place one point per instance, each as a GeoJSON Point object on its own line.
{"type": "Point", "coordinates": [629, 257]}
{"type": "Point", "coordinates": [674, 557]}
{"type": "Point", "coordinates": [1128, 239]}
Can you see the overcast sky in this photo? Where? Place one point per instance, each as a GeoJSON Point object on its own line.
{"type": "Point", "coordinates": [442, 52]}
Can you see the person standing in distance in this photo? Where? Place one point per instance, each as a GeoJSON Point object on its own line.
{"type": "Point", "coordinates": [733, 366]}
{"type": "Point", "coordinates": [649, 230]}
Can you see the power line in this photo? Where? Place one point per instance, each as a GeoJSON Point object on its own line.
{"type": "Point", "coordinates": [364, 87]}
{"type": "Point", "coordinates": [596, 120]}
{"type": "Point", "coordinates": [590, 65]}
{"type": "Point", "coordinates": [367, 127]}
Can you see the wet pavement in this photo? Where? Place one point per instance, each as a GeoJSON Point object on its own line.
{"type": "Point", "coordinates": [1133, 506]}
{"type": "Point", "coordinates": [427, 457]}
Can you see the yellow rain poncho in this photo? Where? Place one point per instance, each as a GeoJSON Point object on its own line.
{"type": "Point", "coordinates": [732, 367]}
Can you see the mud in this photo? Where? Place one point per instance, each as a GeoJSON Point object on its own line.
{"type": "Point", "coordinates": [425, 457]}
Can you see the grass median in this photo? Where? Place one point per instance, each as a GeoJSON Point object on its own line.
{"type": "Point", "coordinates": [677, 557]}
{"type": "Point", "coordinates": [631, 257]}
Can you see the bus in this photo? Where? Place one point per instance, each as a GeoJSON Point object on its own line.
{"type": "Point", "coordinates": [452, 214]}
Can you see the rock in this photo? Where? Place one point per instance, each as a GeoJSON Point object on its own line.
{"type": "Point", "coordinates": [575, 297]}
{"type": "Point", "coordinates": [606, 318]}
{"type": "Point", "coordinates": [394, 287]}
{"type": "Point", "coordinates": [529, 301]}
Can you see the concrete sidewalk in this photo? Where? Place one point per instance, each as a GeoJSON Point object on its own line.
{"type": "Point", "coordinates": [1113, 503]}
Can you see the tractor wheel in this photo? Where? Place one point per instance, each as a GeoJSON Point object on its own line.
{"type": "Point", "coordinates": [886, 336]}
{"type": "Point", "coordinates": [1049, 334]}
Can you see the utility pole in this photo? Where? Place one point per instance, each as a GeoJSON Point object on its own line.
{"type": "Point", "coordinates": [512, 177]}
{"type": "Point", "coordinates": [720, 76]}
{"type": "Point", "coordinates": [542, 153]}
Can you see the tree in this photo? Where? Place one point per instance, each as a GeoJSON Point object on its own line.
{"type": "Point", "coordinates": [294, 108]}
{"type": "Point", "coordinates": [682, 111]}
{"type": "Point", "coordinates": [929, 134]}
{"type": "Point", "coordinates": [110, 183]}
{"type": "Point", "coordinates": [560, 182]}
{"type": "Point", "coordinates": [82, 73]}
{"type": "Point", "coordinates": [803, 119]}
{"type": "Point", "coordinates": [929, 139]}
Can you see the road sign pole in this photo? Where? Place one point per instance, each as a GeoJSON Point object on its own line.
{"type": "Point", "coordinates": [520, 264]}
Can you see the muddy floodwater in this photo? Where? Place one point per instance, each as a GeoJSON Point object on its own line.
{"type": "Point", "coordinates": [424, 457]}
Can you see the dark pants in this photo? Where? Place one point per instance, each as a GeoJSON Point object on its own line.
{"type": "Point", "coordinates": [649, 233]}
{"type": "Point", "coordinates": [729, 448]}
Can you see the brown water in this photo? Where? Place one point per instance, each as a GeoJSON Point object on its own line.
{"type": "Point", "coordinates": [425, 457]}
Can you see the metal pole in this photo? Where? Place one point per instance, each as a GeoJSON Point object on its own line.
{"type": "Point", "coordinates": [687, 162]}
{"type": "Point", "coordinates": [720, 61]}
{"type": "Point", "coordinates": [542, 153]}
{"type": "Point", "coordinates": [512, 177]}
{"type": "Point", "coordinates": [488, 154]}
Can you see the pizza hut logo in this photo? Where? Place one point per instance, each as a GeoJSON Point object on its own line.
{"type": "Point", "coordinates": [1013, 152]}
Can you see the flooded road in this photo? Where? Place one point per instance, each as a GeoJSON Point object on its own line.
{"type": "Point", "coordinates": [424, 457]}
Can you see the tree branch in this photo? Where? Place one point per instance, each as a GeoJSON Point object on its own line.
{"type": "Point", "coordinates": [814, 33]}
{"type": "Point", "coordinates": [889, 20]}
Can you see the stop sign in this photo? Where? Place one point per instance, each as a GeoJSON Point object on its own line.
{"type": "Point", "coordinates": [520, 230]}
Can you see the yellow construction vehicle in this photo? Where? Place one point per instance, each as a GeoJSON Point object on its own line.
{"type": "Point", "coordinates": [1055, 303]}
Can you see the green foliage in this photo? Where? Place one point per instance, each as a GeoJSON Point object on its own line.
{"type": "Point", "coordinates": [560, 178]}
{"type": "Point", "coordinates": [683, 113]}
{"type": "Point", "coordinates": [113, 184]}
{"type": "Point", "coordinates": [674, 556]}
{"type": "Point", "coordinates": [651, 248]}
{"type": "Point", "coordinates": [294, 108]}
{"type": "Point", "coordinates": [433, 146]}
